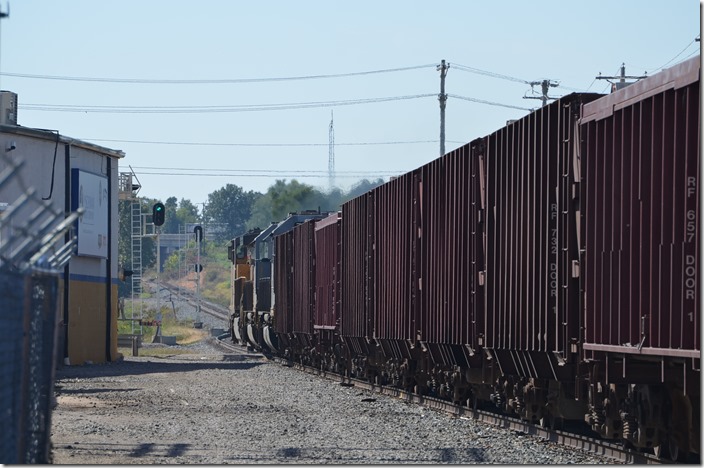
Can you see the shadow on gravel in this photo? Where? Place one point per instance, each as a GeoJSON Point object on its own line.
{"type": "Point", "coordinates": [115, 369]}
{"type": "Point", "coordinates": [341, 455]}
{"type": "Point", "coordinates": [174, 450]}
{"type": "Point", "coordinates": [64, 391]}
{"type": "Point", "coordinates": [289, 452]}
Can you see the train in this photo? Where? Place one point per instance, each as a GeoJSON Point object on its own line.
{"type": "Point", "coordinates": [548, 270]}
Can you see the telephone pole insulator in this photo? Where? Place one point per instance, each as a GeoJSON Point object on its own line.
{"type": "Point", "coordinates": [621, 79]}
{"type": "Point", "coordinates": [544, 86]}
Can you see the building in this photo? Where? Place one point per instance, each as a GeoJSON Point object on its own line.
{"type": "Point", "coordinates": [53, 173]}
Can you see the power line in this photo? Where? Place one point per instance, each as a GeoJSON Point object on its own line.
{"type": "Point", "coordinates": [514, 79]}
{"type": "Point", "coordinates": [235, 108]}
{"type": "Point", "coordinates": [544, 86]}
{"type": "Point", "coordinates": [195, 171]}
{"type": "Point", "coordinates": [489, 103]}
{"type": "Point", "coordinates": [622, 78]}
{"type": "Point", "coordinates": [270, 175]}
{"type": "Point", "coordinates": [210, 81]}
{"type": "Point", "coordinates": [675, 57]}
{"type": "Point", "coordinates": [193, 143]}
{"type": "Point", "coordinates": [209, 109]}
{"type": "Point", "coordinates": [488, 73]}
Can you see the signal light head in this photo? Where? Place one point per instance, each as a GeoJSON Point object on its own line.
{"type": "Point", "coordinates": [158, 213]}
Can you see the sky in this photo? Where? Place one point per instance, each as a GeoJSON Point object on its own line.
{"type": "Point", "coordinates": [200, 94]}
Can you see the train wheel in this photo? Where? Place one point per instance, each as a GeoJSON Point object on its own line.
{"type": "Point", "coordinates": [673, 448]}
{"type": "Point", "coordinates": [668, 450]}
{"type": "Point", "coordinates": [548, 421]}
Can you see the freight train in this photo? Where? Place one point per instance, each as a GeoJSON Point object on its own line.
{"type": "Point", "coordinates": [549, 269]}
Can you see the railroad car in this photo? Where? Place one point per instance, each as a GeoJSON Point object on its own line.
{"type": "Point", "coordinates": [252, 322]}
{"type": "Point", "coordinates": [639, 172]}
{"type": "Point", "coordinates": [549, 269]}
{"type": "Point", "coordinates": [294, 287]}
{"type": "Point", "coordinates": [240, 251]}
{"type": "Point", "coordinates": [531, 316]}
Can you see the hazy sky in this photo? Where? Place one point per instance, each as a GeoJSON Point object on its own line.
{"type": "Point", "coordinates": [138, 61]}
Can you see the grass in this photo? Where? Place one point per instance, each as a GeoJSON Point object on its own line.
{"type": "Point", "coordinates": [182, 329]}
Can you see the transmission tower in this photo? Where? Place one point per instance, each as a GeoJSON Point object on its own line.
{"type": "Point", "coordinates": [331, 154]}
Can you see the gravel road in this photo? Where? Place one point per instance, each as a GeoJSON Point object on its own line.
{"type": "Point", "coordinates": [210, 407]}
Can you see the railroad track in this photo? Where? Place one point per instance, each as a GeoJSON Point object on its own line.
{"type": "Point", "coordinates": [210, 308]}
{"type": "Point", "coordinates": [585, 443]}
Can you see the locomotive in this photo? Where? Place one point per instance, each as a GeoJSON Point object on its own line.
{"type": "Point", "coordinates": [549, 269]}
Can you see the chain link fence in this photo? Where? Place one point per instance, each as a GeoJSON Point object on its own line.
{"type": "Point", "coordinates": [27, 362]}
{"type": "Point", "coordinates": [36, 241]}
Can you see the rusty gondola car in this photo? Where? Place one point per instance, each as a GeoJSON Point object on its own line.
{"type": "Point", "coordinates": [549, 269]}
{"type": "Point", "coordinates": [640, 222]}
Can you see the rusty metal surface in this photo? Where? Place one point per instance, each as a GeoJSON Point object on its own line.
{"type": "Point", "coordinates": [641, 216]}
{"type": "Point", "coordinates": [327, 272]}
{"type": "Point", "coordinates": [303, 270]}
{"type": "Point", "coordinates": [395, 230]}
{"type": "Point", "coordinates": [450, 254]}
{"type": "Point", "coordinates": [531, 245]}
{"type": "Point", "coordinates": [283, 282]}
{"type": "Point", "coordinates": [356, 275]}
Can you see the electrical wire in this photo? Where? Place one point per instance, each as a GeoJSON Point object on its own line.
{"type": "Point", "coordinates": [210, 81]}
{"type": "Point", "coordinates": [268, 174]}
{"type": "Point", "coordinates": [237, 108]}
{"type": "Point", "coordinates": [675, 57]}
{"type": "Point", "coordinates": [190, 143]}
{"type": "Point", "coordinates": [490, 103]}
{"type": "Point", "coordinates": [488, 73]}
{"type": "Point", "coordinates": [196, 171]}
{"type": "Point", "coordinates": [209, 109]}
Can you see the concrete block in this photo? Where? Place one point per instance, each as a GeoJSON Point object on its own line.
{"type": "Point", "coordinates": [167, 340]}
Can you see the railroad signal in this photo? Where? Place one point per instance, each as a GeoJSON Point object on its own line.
{"type": "Point", "coordinates": [158, 211]}
{"type": "Point", "coordinates": [198, 231]}
{"type": "Point", "coordinates": [198, 267]}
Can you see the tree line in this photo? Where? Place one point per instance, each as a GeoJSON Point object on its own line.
{"type": "Point", "coordinates": [234, 210]}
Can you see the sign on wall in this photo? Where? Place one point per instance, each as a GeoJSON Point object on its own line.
{"type": "Point", "coordinates": [90, 191]}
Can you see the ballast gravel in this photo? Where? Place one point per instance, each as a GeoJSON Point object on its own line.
{"type": "Point", "coordinates": [212, 407]}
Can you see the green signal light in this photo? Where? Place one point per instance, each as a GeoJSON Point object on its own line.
{"type": "Point", "coordinates": [158, 211]}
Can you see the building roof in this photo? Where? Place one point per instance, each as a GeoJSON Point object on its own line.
{"type": "Point", "coordinates": [52, 134]}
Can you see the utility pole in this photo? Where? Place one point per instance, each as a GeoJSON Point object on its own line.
{"type": "Point", "coordinates": [544, 86]}
{"type": "Point", "coordinates": [158, 292]}
{"type": "Point", "coordinates": [198, 231]}
{"type": "Point", "coordinates": [3, 14]}
{"type": "Point", "coordinates": [331, 154]}
{"type": "Point", "coordinates": [442, 97]}
{"type": "Point", "coordinates": [621, 79]}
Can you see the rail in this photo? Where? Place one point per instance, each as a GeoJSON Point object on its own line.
{"type": "Point", "coordinates": [588, 444]}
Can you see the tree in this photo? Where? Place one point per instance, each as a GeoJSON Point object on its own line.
{"type": "Point", "coordinates": [230, 206]}
{"type": "Point", "coordinates": [363, 186]}
{"type": "Point", "coordinates": [187, 212]}
{"type": "Point", "coordinates": [283, 198]}
{"type": "Point", "coordinates": [171, 217]}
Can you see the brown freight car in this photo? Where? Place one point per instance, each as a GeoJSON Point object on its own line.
{"type": "Point", "coordinates": [356, 281]}
{"type": "Point", "coordinates": [532, 327]}
{"type": "Point", "coordinates": [640, 186]}
{"type": "Point", "coordinates": [327, 292]}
